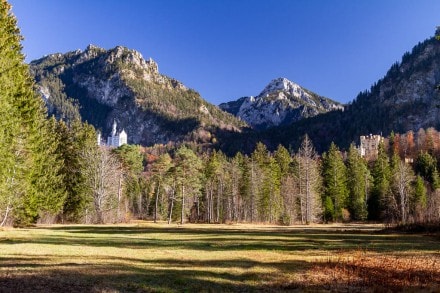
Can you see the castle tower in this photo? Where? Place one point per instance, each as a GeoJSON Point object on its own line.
{"type": "Point", "coordinates": [122, 137]}
{"type": "Point", "coordinates": [369, 147]}
{"type": "Point", "coordinates": [114, 128]}
{"type": "Point", "coordinates": [116, 139]}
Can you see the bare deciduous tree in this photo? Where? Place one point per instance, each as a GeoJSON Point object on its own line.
{"type": "Point", "coordinates": [308, 182]}
{"type": "Point", "coordinates": [102, 173]}
{"type": "Point", "coordinates": [402, 183]}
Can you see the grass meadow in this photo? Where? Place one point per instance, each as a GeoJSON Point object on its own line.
{"type": "Point", "coordinates": [147, 257]}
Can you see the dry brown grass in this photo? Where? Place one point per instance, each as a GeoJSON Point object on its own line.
{"type": "Point", "coordinates": [146, 257]}
{"type": "Point", "coordinates": [364, 272]}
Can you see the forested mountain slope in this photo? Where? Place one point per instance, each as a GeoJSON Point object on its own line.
{"type": "Point", "coordinates": [407, 98]}
{"type": "Point", "coordinates": [119, 84]}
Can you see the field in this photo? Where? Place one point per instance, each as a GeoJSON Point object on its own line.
{"type": "Point", "coordinates": [147, 257]}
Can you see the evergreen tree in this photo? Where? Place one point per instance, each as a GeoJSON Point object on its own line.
{"type": "Point", "coordinates": [380, 192]}
{"type": "Point", "coordinates": [425, 165]}
{"type": "Point", "coordinates": [29, 171]}
{"type": "Point", "coordinates": [187, 176]}
{"type": "Point", "coordinates": [75, 140]}
{"type": "Point", "coordinates": [212, 172]}
{"type": "Point", "coordinates": [132, 165]}
{"type": "Point", "coordinates": [419, 200]}
{"type": "Point", "coordinates": [358, 183]}
{"type": "Point", "coordinates": [335, 181]}
{"type": "Point", "coordinates": [236, 170]}
{"type": "Point", "coordinates": [159, 169]}
{"type": "Point", "coordinates": [283, 159]}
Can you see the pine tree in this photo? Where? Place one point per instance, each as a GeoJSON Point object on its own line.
{"type": "Point", "coordinates": [380, 192]}
{"type": "Point", "coordinates": [335, 181]}
{"type": "Point", "coordinates": [212, 172]}
{"type": "Point", "coordinates": [29, 172]}
{"type": "Point", "coordinates": [287, 185]}
{"type": "Point", "coordinates": [131, 159]}
{"type": "Point", "coordinates": [160, 169]}
{"type": "Point", "coordinates": [425, 165]}
{"type": "Point", "coordinates": [75, 139]}
{"type": "Point", "coordinates": [418, 203]}
{"type": "Point", "coordinates": [358, 183]}
{"type": "Point", "coordinates": [187, 172]}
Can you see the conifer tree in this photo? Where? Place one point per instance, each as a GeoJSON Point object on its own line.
{"type": "Point", "coordinates": [380, 192]}
{"type": "Point", "coordinates": [419, 200]}
{"type": "Point", "coordinates": [29, 172]}
{"type": "Point", "coordinates": [425, 165]}
{"type": "Point", "coordinates": [187, 172]}
{"type": "Point", "coordinates": [334, 176]}
{"type": "Point", "coordinates": [236, 171]}
{"type": "Point", "coordinates": [75, 140]}
{"type": "Point", "coordinates": [358, 183]}
{"type": "Point", "coordinates": [129, 182]}
{"type": "Point", "coordinates": [159, 170]}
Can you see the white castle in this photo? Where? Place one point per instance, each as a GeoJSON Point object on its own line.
{"type": "Point", "coordinates": [115, 139]}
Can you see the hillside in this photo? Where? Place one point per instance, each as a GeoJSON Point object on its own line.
{"type": "Point", "coordinates": [281, 102]}
{"type": "Point", "coordinates": [406, 98]}
{"type": "Point", "coordinates": [119, 84]}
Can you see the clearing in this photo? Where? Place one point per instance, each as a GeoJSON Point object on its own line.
{"type": "Point", "coordinates": [147, 257]}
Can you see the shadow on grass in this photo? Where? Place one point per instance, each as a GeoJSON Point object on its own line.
{"type": "Point", "coordinates": [163, 275]}
{"type": "Point", "coordinates": [221, 239]}
{"type": "Point", "coordinates": [171, 275]}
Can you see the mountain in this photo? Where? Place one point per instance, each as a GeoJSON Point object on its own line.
{"type": "Point", "coordinates": [281, 102]}
{"type": "Point", "coordinates": [406, 98]}
{"type": "Point", "coordinates": [102, 85]}
{"type": "Point", "coordinates": [119, 84]}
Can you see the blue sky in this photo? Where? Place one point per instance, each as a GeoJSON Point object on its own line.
{"type": "Point", "coordinates": [226, 49]}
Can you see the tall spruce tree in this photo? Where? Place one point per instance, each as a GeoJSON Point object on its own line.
{"type": "Point", "coordinates": [380, 192]}
{"type": "Point", "coordinates": [334, 175]}
{"type": "Point", "coordinates": [75, 140]}
{"type": "Point", "coordinates": [29, 172]}
{"type": "Point", "coordinates": [187, 175]}
{"type": "Point", "coordinates": [358, 183]}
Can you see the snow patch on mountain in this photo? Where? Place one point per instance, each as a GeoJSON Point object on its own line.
{"type": "Point", "coordinates": [281, 102]}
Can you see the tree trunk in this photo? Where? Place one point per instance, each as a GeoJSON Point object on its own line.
{"type": "Point", "coordinates": [8, 209]}
{"type": "Point", "coordinates": [171, 208]}
{"type": "Point", "coordinates": [156, 202]}
{"type": "Point", "coordinates": [182, 212]}
{"type": "Point", "coordinates": [119, 198]}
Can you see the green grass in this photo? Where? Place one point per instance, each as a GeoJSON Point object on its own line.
{"type": "Point", "coordinates": [148, 257]}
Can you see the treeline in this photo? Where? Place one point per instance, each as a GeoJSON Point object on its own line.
{"type": "Point", "coordinates": [300, 187]}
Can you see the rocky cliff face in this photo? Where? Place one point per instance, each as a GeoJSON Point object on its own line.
{"type": "Point", "coordinates": [119, 84]}
{"type": "Point", "coordinates": [281, 102]}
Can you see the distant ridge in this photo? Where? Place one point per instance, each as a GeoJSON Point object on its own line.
{"type": "Point", "coordinates": [281, 102]}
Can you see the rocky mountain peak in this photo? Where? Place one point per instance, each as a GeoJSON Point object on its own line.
{"type": "Point", "coordinates": [279, 84]}
{"type": "Point", "coordinates": [281, 102]}
{"type": "Point", "coordinates": [103, 85]}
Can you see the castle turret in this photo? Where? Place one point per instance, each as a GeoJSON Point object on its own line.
{"type": "Point", "coordinates": [122, 137]}
{"type": "Point", "coordinates": [114, 128]}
